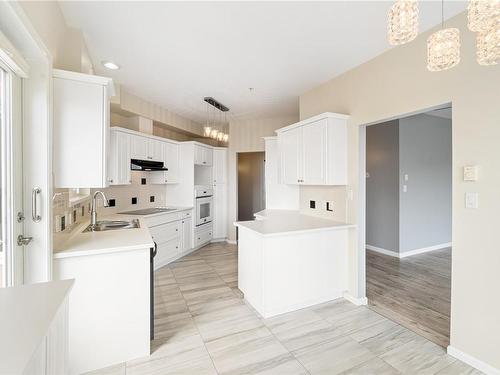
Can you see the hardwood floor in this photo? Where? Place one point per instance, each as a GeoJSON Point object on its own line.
{"type": "Point", "coordinates": [413, 291]}
{"type": "Point", "coordinates": [203, 326]}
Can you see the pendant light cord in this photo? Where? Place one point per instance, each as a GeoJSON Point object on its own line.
{"type": "Point", "coordinates": [442, 14]}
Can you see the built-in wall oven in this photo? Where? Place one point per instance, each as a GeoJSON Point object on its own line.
{"type": "Point", "coordinates": [204, 204]}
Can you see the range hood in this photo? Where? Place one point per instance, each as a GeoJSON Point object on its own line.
{"type": "Point", "coordinates": [147, 165]}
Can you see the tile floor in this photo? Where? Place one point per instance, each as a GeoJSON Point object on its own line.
{"type": "Point", "coordinates": [203, 326]}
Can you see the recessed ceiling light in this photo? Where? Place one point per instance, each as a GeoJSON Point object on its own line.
{"type": "Point", "coordinates": [110, 65]}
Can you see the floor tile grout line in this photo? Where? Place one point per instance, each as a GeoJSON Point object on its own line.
{"type": "Point", "coordinates": [196, 325]}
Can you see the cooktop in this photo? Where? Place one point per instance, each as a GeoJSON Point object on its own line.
{"type": "Point", "coordinates": [148, 211]}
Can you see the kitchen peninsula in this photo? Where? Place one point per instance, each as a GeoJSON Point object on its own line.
{"type": "Point", "coordinates": [288, 260]}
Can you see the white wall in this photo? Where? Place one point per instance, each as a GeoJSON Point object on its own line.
{"type": "Point", "coordinates": [397, 83]}
{"type": "Point", "coordinates": [247, 136]}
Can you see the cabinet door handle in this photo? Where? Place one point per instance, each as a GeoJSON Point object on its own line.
{"type": "Point", "coordinates": [111, 181]}
{"type": "Point", "coordinates": [34, 205]}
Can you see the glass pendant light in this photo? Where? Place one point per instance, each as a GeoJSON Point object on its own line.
{"type": "Point", "coordinates": [483, 14]}
{"type": "Point", "coordinates": [443, 47]}
{"type": "Point", "coordinates": [207, 129]}
{"type": "Point", "coordinates": [226, 137]}
{"type": "Point", "coordinates": [403, 22]}
{"type": "Point", "coordinates": [488, 46]}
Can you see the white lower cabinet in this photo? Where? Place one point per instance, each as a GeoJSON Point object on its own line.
{"type": "Point", "coordinates": [202, 235]}
{"type": "Point", "coordinates": [172, 234]}
{"type": "Point", "coordinates": [186, 234]}
{"type": "Point", "coordinates": [220, 211]}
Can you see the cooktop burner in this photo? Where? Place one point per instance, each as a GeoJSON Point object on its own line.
{"type": "Point", "coordinates": [148, 211]}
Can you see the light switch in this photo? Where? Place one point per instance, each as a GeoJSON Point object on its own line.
{"type": "Point", "coordinates": [405, 188]}
{"type": "Point", "coordinates": [470, 173]}
{"type": "Point", "coordinates": [471, 200]}
{"type": "Point", "coordinates": [406, 177]}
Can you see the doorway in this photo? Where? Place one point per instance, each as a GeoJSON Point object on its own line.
{"type": "Point", "coordinates": [251, 184]}
{"type": "Point", "coordinates": [408, 221]}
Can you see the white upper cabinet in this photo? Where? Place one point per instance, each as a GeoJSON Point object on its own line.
{"type": "Point", "coordinates": [170, 152]}
{"type": "Point", "coordinates": [145, 148]}
{"type": "Point", "coordinates": [81, 129]}
{"type": "Point", "coordinates": [155, 148]}
{"type": "Point", "coordinates": [202, 155]}
{"type": "Point", "coordinates": [290, 152]}
{"type": "Point", "coordinates": [119, 158]}
{"type": "Point", "coordinates": [314, 151]}
{"type": "Point", "coordinates": [220, 166]}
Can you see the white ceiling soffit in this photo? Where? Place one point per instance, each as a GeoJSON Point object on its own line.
{"type": "Point", "coordinates": [175, 53]}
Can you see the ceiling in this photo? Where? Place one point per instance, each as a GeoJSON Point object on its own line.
{"type": "Point", "coordinates": [175, 53]}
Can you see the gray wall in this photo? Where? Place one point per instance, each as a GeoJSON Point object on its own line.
{"type": "Point", "coordinates": [425, 146]}
{"type": "Point", "coordinates": [382, 203]}
{"type": "Point", "coordinates": [251, 184]}
{"type": "Point", "coordinates": [421, 147]}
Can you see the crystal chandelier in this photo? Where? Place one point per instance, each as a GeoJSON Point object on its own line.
{"type": "Point", "coordinates": [443, 47]}
{"type": "Point", "coordinates": [483, 15]}
{"type": "Point", "coordinates": [488, 46]}
{"type": "Point", "coordinates": [403, 22]}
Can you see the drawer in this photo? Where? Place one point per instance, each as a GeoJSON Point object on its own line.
{"type": "Point", "coordinates": [202, 237]}
{"type": "Point", "coordinates": [162, 219]}
{"type": "Point", "coordinates": [166, 252]}
{"type": "Point", "coordinates": [165, 232]}
{"type": "Point", "coordinates": [185, 214]}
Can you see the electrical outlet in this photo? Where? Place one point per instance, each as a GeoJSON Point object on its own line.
{"type": "Point", "coordinates": [143, 181]}
{"type": "Point", "coordinates": [312, 204]}
{"type": "Point", "coordinates": [112, 202]}
{"type": "Point", "coordinates": [329, 206]}
{"type": "Point", "coordinates": [152, 198]}
{"type": "Point", "coordinates": [134, 200]}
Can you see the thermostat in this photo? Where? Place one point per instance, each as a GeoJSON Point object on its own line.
{"type": "Point", "coordinates": [470, 173]}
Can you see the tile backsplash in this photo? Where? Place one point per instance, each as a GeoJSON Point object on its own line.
{"type": "Point", "coordinates": [140, 194]}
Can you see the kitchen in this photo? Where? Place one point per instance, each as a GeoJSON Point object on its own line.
{"type": "Point", "coordinates": [122, 251]}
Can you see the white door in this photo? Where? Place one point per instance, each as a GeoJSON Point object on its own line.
{"type": "Point", "coordinates": [220, 166]}
{"type": "Point", "coordinates": [289, 145]}
{"type": "Point", "coordinates": [220, 211]}
{"type": "Point", "coordinates": [171, 160]}
{"type": "Point", "coordinates": [186, 233]}
{"type": "Point", "coordinates": [139, 147]}
{"type": "Point", "coordinates": [11, 209]}
{"type": "Point", "coordinates": [314, 153]}
{"type": "Point", "coordinates": [119, 159]}
{"type": "Point", "coordinates": [155, 150]}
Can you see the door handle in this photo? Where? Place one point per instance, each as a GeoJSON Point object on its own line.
{"type": "Point", "coordinates": [22, 241]}
{"type": "Point", "coordinates": [34, 206]}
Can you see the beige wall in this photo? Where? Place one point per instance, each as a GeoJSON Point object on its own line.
{"type": "Point", "coordinates": [246, 136]}
{"type": "Point", "coordinates": [397, 83]}
{"type": "Point", "coordinates": [66, 45]}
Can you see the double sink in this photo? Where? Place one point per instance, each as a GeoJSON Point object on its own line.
{"type": "Point", "coordinates": [105, 225]}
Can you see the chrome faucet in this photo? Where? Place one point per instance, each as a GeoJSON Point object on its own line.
{"type": "Point", "coordinates": [93, 208]}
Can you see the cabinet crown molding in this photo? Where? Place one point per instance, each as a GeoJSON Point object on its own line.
{"type": "Point", "coordinates": [309, 120]}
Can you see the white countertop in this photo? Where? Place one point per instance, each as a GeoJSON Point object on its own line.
{"type": "Point", "coordinates": [93, 243]}
{"type": "Point", "coordinates": [26, 313]}
{"type": "Point", "coordinates": [278, 222]}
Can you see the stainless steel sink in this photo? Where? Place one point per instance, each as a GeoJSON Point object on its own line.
{"type": "Point", "coordinates": [105, 225]}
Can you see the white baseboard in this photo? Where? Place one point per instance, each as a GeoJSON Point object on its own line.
{"type": "Point", "coordinates": [218, 240]}
{"type": "Point", "coordinates": [424, 250]}
{"type": "Point", "coordinates": [301, 305]}
{"type": "Point", "coordinates": [407, 253]}
{"type": "Point", "coordinates": [357, 301]}
{"type": "Point", "coordinates": [382, 251]}
{"type": "Point", "coordinates": [231, 242]}
{"type": "Point", "coordinates": [472, 361]}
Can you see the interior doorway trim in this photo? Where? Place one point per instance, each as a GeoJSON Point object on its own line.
{"type": "Point", "coordinates": [361, 251]}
